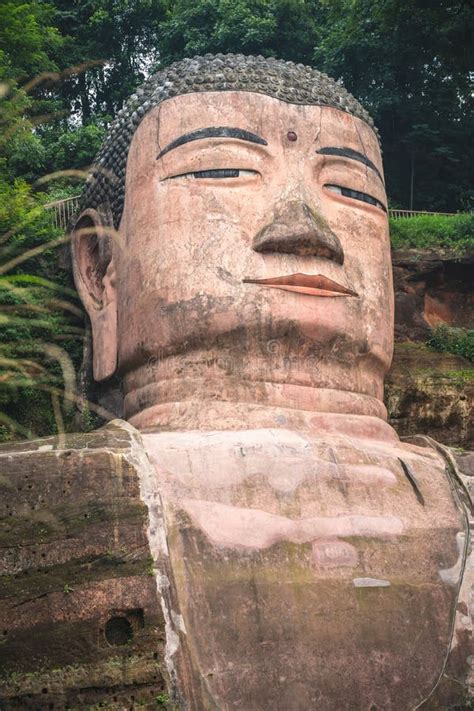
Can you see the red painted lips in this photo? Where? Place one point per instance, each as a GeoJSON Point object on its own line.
{"type": "Point", "coordinates": [317, 285]}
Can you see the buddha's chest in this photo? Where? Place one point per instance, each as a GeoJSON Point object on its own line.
{"type": "Point", "coordinates": [307, 573]}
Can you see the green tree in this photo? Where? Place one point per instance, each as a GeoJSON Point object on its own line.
{"type": "Point", "coordinates": [113, 43]}
{"type": "Point", "coordinates": [40, 317]}
{"type": "Point", "coordinates": [409, 63]}
{"type": "Point", "coordinates": [28, 45]}
{"type": "Point", "coordinates": [283, 28]}
{"type": "Point", "coordinates": [107, 47]}
{"type": "Point", "coordinates": [29, 40]}
{"type": "Point", "coordinates": [41, 322]}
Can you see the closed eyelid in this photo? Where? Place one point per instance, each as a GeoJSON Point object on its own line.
{"type": "Point", "coordinates": [356, 195]}
{"type": "Point", "coordinates": [219, 155]}
{"type": "Point", "coordinates": [216, 154]}
{"type": "Point", "coordinates": [214, 174]}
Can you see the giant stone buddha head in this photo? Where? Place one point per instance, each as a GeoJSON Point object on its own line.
{"type": "Point", "coordinates": [232, 245]}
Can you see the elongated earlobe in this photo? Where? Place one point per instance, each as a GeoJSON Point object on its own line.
{"type": "Point", "coordinates": [94, 274]}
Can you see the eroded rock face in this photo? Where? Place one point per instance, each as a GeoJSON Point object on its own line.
{"type": "Point", "coordinates": [80, 620]}
{"type": "Point", "coordinates": [431, 288]}
{"type": "Point", "coordinates": [431, 393]}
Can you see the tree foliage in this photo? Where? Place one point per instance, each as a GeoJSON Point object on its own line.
{"type": "Point", "coordinates": [40, 318]}
{"type": "Point", "coordinates": [113, 44]}
{"type": "Point", "coordinates": [410, 64]}
{"type": "Point", "coordinates": [447, 339]}
{"type": "Point", "coordinates": [29, 40]}
{"type": "Point", "coordinates": [281, 28]}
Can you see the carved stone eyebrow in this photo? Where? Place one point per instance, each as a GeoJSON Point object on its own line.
{"type": "Point", "coordinates": [350, 153]}
{"type": "Point", "coordinates": [213, 132]}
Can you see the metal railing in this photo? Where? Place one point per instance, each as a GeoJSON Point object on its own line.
{"type": "Point", "coordinates": [63, 210]}
{"type": "Point", "coordinates": [397, 214]}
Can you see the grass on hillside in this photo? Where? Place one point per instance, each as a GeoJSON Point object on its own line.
{"type": "Point", "coordinates": [454, 233]}
{"type": "Point", "coordinates": [447, 339]}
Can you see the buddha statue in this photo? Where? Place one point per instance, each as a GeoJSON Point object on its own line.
{"type": "Point", "coordinates": [232, 252]}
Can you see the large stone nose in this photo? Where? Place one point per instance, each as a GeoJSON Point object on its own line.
{"type": "Point", "coordinates": [299, 230]}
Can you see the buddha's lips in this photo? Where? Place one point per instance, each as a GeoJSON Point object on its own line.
{"type": "Point", "coordinates": [317, 285]}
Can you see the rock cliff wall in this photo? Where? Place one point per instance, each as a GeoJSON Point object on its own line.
{"type": "Point", "coordinates": [429, 392]}
{"type": "Point", "coordinates": [80, 622]}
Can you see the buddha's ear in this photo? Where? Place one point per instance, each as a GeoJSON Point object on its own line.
{"type": "Point", "coordinates": [94, 274]}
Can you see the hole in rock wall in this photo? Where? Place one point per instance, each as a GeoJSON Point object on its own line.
{"type": "Point", "coordinates": [118, 630]}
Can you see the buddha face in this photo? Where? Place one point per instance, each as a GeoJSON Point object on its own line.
{"type": "Point", "coordinates": [255, 228]}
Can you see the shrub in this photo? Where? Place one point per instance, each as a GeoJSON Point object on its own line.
{"type": "Point", "coordinates": [40, 318]}
{"type": "Point", "coordinates": [459, 341]}
{"type": "Point", "coordinates": [455, 232]}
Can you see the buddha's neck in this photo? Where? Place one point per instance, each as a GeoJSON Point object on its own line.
{"type": "Point", "coordinates": [186, 400]}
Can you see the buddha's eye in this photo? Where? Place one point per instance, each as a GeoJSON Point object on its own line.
{"type": "Point", "coordinates": [356, 195]}
{"type": "Point", "coordinates": [217, 173]}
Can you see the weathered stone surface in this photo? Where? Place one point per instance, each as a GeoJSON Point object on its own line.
{"type": "Point", "coordinates": [465, 462]}
{"type": "Point", "coordinates": [304, 570]}
{"type": "Point", "coordinates": [431, 393]}
{"type": "Point", "coordinates": [455, 690]}
{"type": "Point", "coordinates": [431, 288]}
{"type": "Point", "coordinates": [80, 620]}
{"type": "Point", "coordinates": [242, 599]}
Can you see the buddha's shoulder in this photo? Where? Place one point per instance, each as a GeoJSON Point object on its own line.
{"type": "Point", "coordinates": [298, 445]}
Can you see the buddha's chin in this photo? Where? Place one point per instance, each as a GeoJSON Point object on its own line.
{"type": "Point", "coordinates": [252, 321]}
{"type": "Point", "coordinates": [281, 349]}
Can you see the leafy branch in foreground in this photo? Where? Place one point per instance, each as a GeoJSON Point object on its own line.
{"type": "Point", "coordinates": [41, 327]}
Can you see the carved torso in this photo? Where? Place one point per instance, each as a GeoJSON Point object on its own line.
{"type": "Point", "coordinates": [306, 571]}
